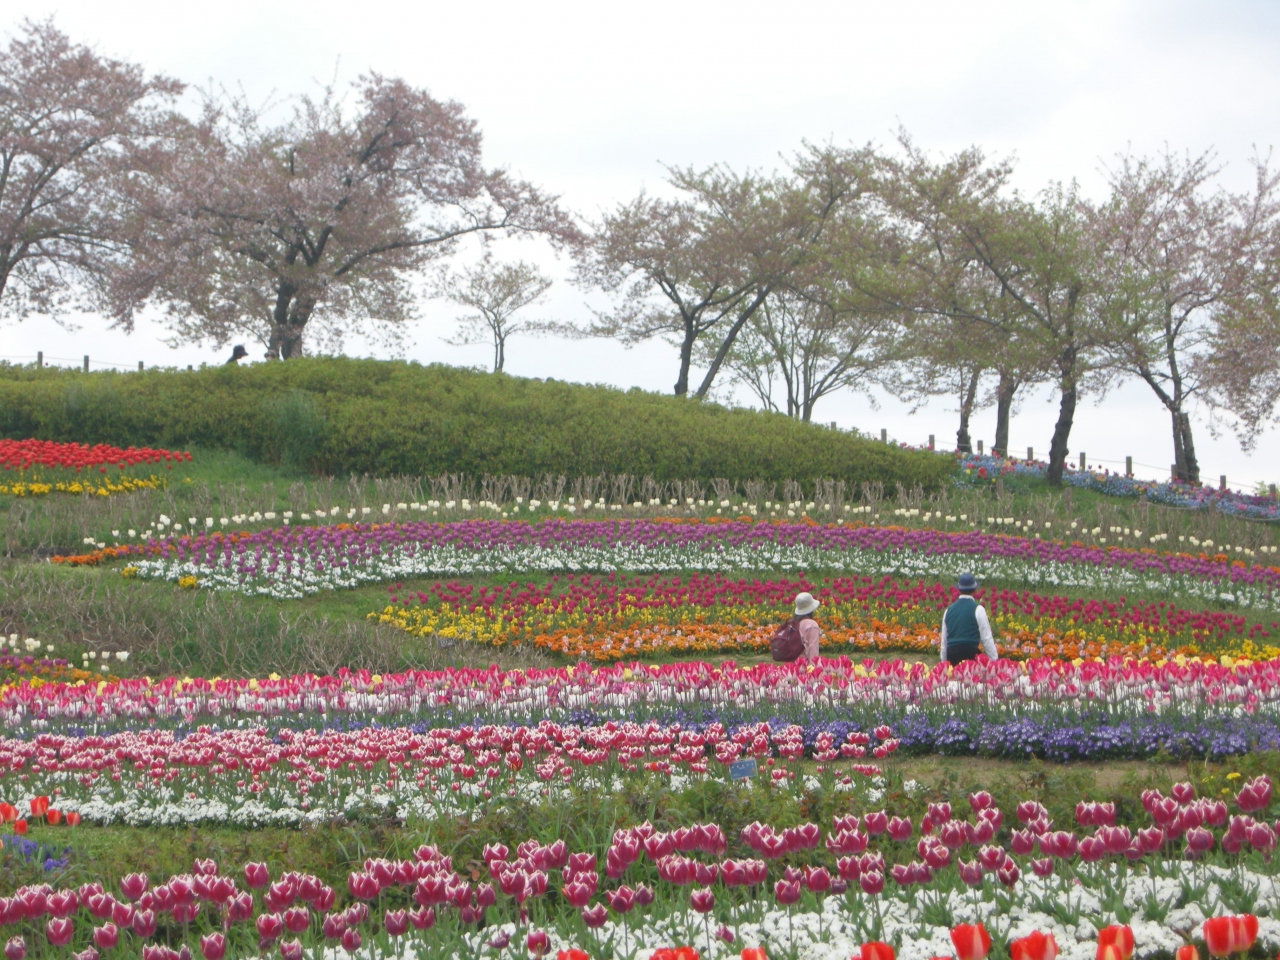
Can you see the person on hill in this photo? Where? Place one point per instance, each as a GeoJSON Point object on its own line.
{"type": "Point", "coordinates": [965, 626]}
{"type": "Point", "coordinates": [237, 354]}
{"type": "Point", "coordinates": [799, 636]}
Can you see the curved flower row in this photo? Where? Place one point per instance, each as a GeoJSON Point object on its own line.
{"type": "Point", "coordinates": [298, 560]}
{"type": "Point", "coordinates": [1183, 694]}
{"type": "Point", "coordinates": [616, 617]}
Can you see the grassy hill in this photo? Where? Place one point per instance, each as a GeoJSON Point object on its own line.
{"type": "Point", "coordinates": [338, 416]}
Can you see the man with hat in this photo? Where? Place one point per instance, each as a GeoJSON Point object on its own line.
{"type": "Point", "coordinates": [965, 626]}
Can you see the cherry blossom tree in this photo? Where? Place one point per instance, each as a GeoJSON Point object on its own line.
{"type": "Point", "coordinates": [317, 224]}
{"type": "Point", "coordinates": [72, 123]}
{"type": "Point", "coordinates": [496, 292]}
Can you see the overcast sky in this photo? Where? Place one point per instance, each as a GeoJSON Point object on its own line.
{"type": "Point", "coordinates": [589, 100]}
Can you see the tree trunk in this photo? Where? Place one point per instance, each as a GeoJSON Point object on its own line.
{"type": "Point", "coordinates": [1062, 431]}
{"type": "Point", "coordinates": [686, 358]}
{"type": "Point", "coordinates": [968, 391]}
{"type": "Point", "coordinates": [499, 353]}
{"type": "Point", "coordinates": [1179, 453]}
{"type": "Point", "coordinates": [1190, 463]}
{"type": "Point", "coordinates": [1004, 407]}
{"type": "Point", "coordinates": [727, 343]}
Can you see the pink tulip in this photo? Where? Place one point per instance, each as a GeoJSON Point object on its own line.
{"type": "Point", "coordinates": [213, 946]}
{"type": "Point", "coordinates": [256, 875]}
{"type": "Point", "coordinates": [106, 936]}
{"type": "Point", "coordinates": [59, 931]}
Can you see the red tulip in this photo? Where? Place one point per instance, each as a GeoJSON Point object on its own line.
{"type": "Point", "coordinates": [1120, 937]}
{"type": "Point", "coordinates": [39, 805]}
{"type": "Point", "coordinates": [9, 813]}
{"type": "Point", "coordinates": [20, 826]}
{"type": "Point", "coordinates": [1187, 951]}
{"type": "Point", "coordinates": [573, 953]}
{"type": "Point", "coordinates": [53, 816]}
{"type": "Point", "coordinates": [72, 818]}
{"type": "Point", "coordinates": [753, 953]}
{"type": "Point", "coordinates": [971, 940]}
{"type": "Point", "coordinates": [1034, 946]}
{"type": "Point", "coordinates": [876, 950]}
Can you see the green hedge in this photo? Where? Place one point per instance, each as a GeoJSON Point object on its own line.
{"type": "Point", "coordinates": [337, 416]}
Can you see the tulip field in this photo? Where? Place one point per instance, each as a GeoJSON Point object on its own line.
{"type": "Point", "coordinates": [579, 747]}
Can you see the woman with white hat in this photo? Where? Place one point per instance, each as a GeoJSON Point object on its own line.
{"type": "Point", "coordinates": [798, 636]}
{"type": "Point", "coordinates": [810, 632]}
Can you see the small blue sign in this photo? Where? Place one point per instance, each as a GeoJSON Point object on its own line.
{"type": "Point", "coordinates": [742, 769]}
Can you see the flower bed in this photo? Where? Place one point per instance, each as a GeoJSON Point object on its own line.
{"type": "Point", "coordinates": [617, 617]}
{"type": "Point", "coordinates": [297, 561]}
{"type": "Point", "coordinates": [40, 467]}
{"type": "Point", "coordinates": [1174, 493]}
{"type": "Point", "coordinates": [1196, 872]}
{"type": "Point", "coordinates": [1055, 709]}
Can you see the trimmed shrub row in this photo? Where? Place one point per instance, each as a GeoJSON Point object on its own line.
{"type": "Point", "coordinates": [337, 416]}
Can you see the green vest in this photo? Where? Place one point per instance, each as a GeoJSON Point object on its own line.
{"type": "Point", "coordinates": [961, 619]}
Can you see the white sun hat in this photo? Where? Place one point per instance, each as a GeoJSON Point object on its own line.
{"type": "Point", "coordinates": [806, 604]}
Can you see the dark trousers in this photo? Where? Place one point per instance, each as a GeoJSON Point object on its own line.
{"type": "Point", "coordinates": [959, 652]}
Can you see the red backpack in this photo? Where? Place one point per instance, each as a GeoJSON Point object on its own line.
{"type": "Point", "coordinates": [786, 644]}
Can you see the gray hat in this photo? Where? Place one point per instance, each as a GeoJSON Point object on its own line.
{"type": "Point", "coordinates": [967, 583]}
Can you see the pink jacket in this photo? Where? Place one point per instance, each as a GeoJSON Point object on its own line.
{"type": "Point", "coordinates": [809, 634]}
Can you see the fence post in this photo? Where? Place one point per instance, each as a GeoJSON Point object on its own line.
{"type": "Point", "coordinates": [189, 367]}
{"type": "Point", "coordinates": [139, 366]}
{"type": "Point", "coordinates": [39, 359]}
{"type": "Point", "coordinates": [1128, 466]}
{"type": "Point", "coordinates": [1173, 471]}
{"type": "Point", "coordinates": [1222, 483]}
{"type": "Point", "coordinates": [884, 435]}
{"type": "Point", "coordinates": [979, 448]}
{"type": "Point", "coordinates": [931, 441]}
{"type": "Point", "coordinates": [1273, 491]}
{"type": "Point", "coordinates": [1030, 454]}
{"type": "Point", "coordinates": [1082, 462]}
{"type": "Point", "coordinates": [86, 363]}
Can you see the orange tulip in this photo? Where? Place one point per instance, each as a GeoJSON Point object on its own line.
{"type": "Point", "coordinates": [1224, 936]}
{"type": "Point", "coordinates": [972, 942]}
{"type": "Point", "coordinates": [1118, 936]}
{"type": "Point", "coordinates": [1034, 946]}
